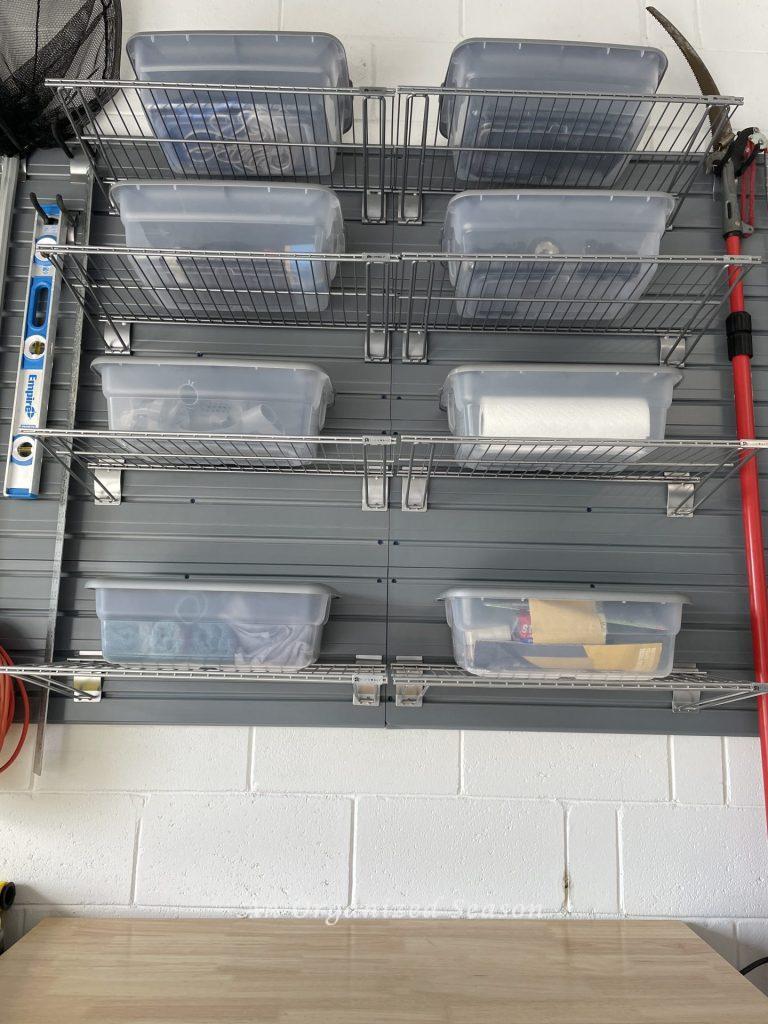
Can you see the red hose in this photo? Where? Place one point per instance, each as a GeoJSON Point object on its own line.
{"type": "Point", "coordinates": [751, 515]}
{"type": "Point", "coordinates": [8, 710]}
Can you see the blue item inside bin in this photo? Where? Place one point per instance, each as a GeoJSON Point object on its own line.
{"type": "Point", "coordinates": [243, 132]}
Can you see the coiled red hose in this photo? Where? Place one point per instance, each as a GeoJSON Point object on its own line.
{"type": "Point", "coordinates": [8, 709]}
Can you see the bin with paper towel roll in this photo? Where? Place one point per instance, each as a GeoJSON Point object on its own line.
{"type": "Point", "coordinates": [549, 224]}
{"type": "Point", "coordinates": [519, 632]}
{"type": "Point", "coordinates": [582, 403]}
{"type": "Point", "coordinates": [247, 627]}
{"type": "Point", "coordinates": [216, 396]}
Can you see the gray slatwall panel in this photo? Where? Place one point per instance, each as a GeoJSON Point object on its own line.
{"type": "Point", "coordinates": [390, 568]}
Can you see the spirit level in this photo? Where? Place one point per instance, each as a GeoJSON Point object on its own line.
{"type": "Point", "coordinates": [33, 379]}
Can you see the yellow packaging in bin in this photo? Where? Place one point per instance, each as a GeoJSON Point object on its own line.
{"type": "Point", "coordinates": [525, 631]}
{"type": "Point", "coordinates": [566, 622]}
{"type": "Point", "coordinates": [640, 658]}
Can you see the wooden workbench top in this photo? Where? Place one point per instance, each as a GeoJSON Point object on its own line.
{"type": "Point", "coordinates": [370, 972]}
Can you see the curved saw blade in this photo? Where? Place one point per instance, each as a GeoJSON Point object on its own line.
{"type": "Point", "coordinates": [722, 132]}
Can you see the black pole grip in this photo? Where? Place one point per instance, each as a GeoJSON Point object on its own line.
{"type": "Point", "coordinates": [738, 328]}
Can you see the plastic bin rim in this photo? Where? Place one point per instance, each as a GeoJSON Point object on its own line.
{"type": "Point", "coordinates": [313, 589]}
{"type": "Point", "coordinates": [554, 193]}
{"type": "Point", "coordinates": [549, 367]}
{"type": "Point", "coordinates": [574, 43]}
{"type": "Point", "coordinates": [290, 186]}
{"type": "Point", "coordinates": [512, 593]}
{"type": "Point", "coordinates": [240, 33]}
{"type": "Point", "coordinates": [255, 364]}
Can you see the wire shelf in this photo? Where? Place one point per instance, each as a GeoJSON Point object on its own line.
{"type": "Point", "coordinates": [412, 678]}
{"type": "Point", "coordinates": [155, 130]}
{"type": "Point", "coordinates": [457, 139]}
{"type": "Point", "coordinates": [83, 679]}
{"type": "Point", "coordinates": [96, 457]}
{"type": "Point", "coordinates": [681, 465]}
{"type": "Point", "coordinates": [677, 296]}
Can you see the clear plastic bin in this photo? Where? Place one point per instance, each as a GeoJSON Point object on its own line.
{"type": "Point", "coordinates": [280, 133]}
{"type": "Point", "coordinates": [244, 626]}
{"type": "Point", "coordinates": [491, 137]}
{"type": "Point", "coordinates": [246, 217]}
{"type": "Point", "coordinates": [552, 223]}
{"type": "Point", "coordinates": [556, 401]}
{"type": "Point", "coordinates": [216, 396]}
{"type": "Point", "coordinates": [523, 632]}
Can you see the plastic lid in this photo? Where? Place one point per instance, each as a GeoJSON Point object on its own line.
{"type": "Point", "coordinates": [264, 186]}
{"type": "Point", "coordinates": [313, 589]}
{"type": "Point", "coordinates": [246, 364]}
{"type": "Point", "coordinates": [552, 367]}
{"type": "Point", "coordinates": [604, 195]}
{"type": "Point", "coordinates": [512, 594]}
{"type": "Point", "coordinates": [566, 44]}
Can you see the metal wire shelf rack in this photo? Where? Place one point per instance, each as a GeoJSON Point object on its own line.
{"type": "Point", "coordinates": [411, 678]}
{"type": "Point", "coordinates": [97, 458]}
{"type": "Point", "coordinates": [677, 297]}
{"type": "Point", "coordinates": [456, 139]}
{"type": "Point", "coordinates": [691, 470]}
{"type": "Point", "coordinates": [84, 679]}
{"type": "Point", "coordinates": [155, 130]}
{"type": "Point", "coordinates": [411, 293]}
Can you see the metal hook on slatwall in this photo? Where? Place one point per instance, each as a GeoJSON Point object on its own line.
{"type": "Point", "coordinates": [46, 218]}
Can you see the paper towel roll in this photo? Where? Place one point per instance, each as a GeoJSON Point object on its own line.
{"type": "Point", "coordinates": [577, 417]}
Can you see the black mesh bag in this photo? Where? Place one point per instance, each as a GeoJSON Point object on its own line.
{"type": "Point", "coordinates": [42, 39]}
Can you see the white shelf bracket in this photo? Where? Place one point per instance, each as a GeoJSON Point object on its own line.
{"type": "Point", "coordinates": [366, 689]}
{"type": "Point", "coordinates": [117, 339]}
{"type": "Point", "coordinates": [680, 497]}
{"type": "Point", "coordinates": [377, 345]}
{"type": "Point", "coordinates": [89, 687]}
{"type": "Point", "coordinates": [672, 350]}
{"type": "Point", "coordinates": [410, 694]}
{"type": "Point", "coordinates": [107, 486]}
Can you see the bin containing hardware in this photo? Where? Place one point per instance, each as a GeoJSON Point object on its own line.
{"type": "Point", "coordinates": [548, 225]}
{"type": "Point", "coordinates": [243, 626]}
{"type": "Point", "coordinates": [244, 132]}
{"type": "Point", "coordinates": [562, 401]}
{"type": "Point", "coordinates": [568, 139]}
{"type": "Point", "coordinates": [519, 632]}
{"type": "Point", "coordinates": [217, 396]}
{"type": "Point", "coordinates": [239, 217]}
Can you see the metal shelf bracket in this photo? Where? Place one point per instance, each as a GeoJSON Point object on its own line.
{"type": "Point", "coordinates": [410, 694]}
{"type": "Point", "coordinates": [377, 345]}
{"type": "Point", "coordinates": [672, 350]}
{"type": "Point", "coordinates": [680, 500]}
{"type": "Point", "coordinates": [107, 486]}
{"type": "Point", "coordinates": [366, 688]}
{"type": "Point", "coordinates": [414, 346]}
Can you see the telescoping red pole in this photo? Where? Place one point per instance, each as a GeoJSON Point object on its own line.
{"type": "Point", "coordinates": [743, 151]}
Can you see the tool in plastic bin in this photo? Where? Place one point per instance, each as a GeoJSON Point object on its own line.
{"type": "Point", "coordinates": [33, 378]}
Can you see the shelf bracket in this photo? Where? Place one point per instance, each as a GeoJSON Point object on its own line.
{"type": "Point", "coordinates": [107, 486]}
{"type": "Point", "coordinates": [680, 500]}
{"type": "Point", "coordinates": [410, 695]}
{"type": "Point", "coordinates": [685, 701]}
{"type": "Point", "coordinates": [117, 341]}
{"type": "Point", "coordinates": [375, 493]}
{"type": "Point", "coordinates": [377, 345]}
{"type": "Point", "coordinates": [409, 211]}
{"type": "Point", "coordinates": [89, 686]}
{"type": "Point", "coordinates": [374, 207]}
{"type": "Point", "coordinates": [366, 689]}
{"type": "Point", "coordinates": [415, 494]}
{"type": "Point", "coordinates": [671, 350]}
{"type": "Point", "coordinates": [414, 346]}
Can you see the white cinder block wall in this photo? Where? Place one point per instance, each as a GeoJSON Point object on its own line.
{"type": "Point", "coordinates": [236, 821]}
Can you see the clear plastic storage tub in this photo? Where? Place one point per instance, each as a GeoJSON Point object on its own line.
{"type": "Point", "coordinates": [520, 632]}
{"type": "Point", "coordinates": [252, 134]}
{"type": "Point", "coordinates": [215, 396]}
{"type": "Point", "coordinates": [580, 140]}
{"type": "Point", "coordinates": [244, 626]}
{"type": "Point", "coordinates": [243, 216]}
{"type": "Point", "coordinates": [549, 223]}
{"type": "Point", "coordinates": [556, 401]}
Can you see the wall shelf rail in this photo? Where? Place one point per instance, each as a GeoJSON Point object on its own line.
{"type": "Point", "coordinates": [87, 679]}
{"type": "Point", "coordinates": [97, 458]}
{"type": "Point", "coordinates": [675, 297]}
{"type": "Point", "coordinates": [155, 131]}
{"type": "Point", "coordinates": [456, 139]}
{"type": "Point", "coordinates": [690, 470]}
{"type": "Point", "coordinates": [690, 690]}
